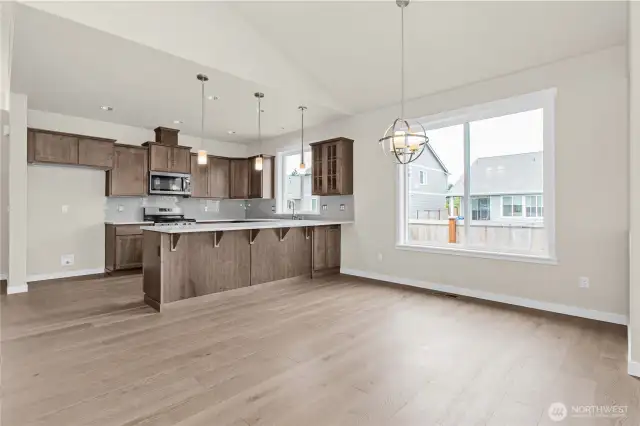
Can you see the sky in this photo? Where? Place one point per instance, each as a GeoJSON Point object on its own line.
{"type": "Point", "coordinates": [508, 134]}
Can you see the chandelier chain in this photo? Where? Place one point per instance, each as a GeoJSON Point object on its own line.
{"type": "Point", "coordinates": [402, 61]}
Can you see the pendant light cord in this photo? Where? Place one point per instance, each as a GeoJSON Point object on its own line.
{"type": "Point", "coordinates": [202, 117]}
{"type": "Point", "coordinates": [259, 121]}
{"type": "Point", "coordinates": [402, 61]}
{"type": "Point", "coordinates": [302, 137]}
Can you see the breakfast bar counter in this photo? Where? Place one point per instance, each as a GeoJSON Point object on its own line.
{"type": "Point", "coordinates": [183, 262]}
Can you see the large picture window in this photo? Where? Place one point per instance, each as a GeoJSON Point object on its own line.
{"type": "Point", "coordinates": [495, 164]}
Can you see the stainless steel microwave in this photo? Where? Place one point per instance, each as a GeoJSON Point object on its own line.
{"type": "Point", "coordinates": [161, 183]}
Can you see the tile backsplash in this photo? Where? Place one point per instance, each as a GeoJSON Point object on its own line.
{"type": "Point", "coordinates": [129, 209]}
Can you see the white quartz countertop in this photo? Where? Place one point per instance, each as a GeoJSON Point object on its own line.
{"type": "Point", "coordinates": [232, 220]}
{"type": "Point", "coordinates": [128, 223]}
{"type": "Point", "coordinates": [211, 227]}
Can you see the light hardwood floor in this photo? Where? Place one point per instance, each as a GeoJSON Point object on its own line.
{"type": "Point", "coordinates": [332, 351]}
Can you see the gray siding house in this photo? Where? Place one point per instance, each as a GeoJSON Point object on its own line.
{"type": "Point", "coordinates": [427, 186]}
{"type": "Point", "coordinates": [505, 188]}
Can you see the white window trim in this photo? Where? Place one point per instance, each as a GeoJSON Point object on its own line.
{"type": "Point", "coordinates": [280, 207]}
{"type": "Point", "coordinates": [543, 99]}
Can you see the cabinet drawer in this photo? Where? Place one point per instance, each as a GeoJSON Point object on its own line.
{"type": "Point", "coordinates": [128, 230]}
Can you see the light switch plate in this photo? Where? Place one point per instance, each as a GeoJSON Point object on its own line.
{"type": "Point", "coordinates": [324, 207]}
{"type": "Point", "coordinates": [343, 207]}
{"type": "Point", "coordinates": [120, 208]}
{"type": "Point", "coordinates": [65, 208]}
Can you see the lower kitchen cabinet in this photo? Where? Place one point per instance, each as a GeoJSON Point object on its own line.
{"type": "Point", "coordinates": [326, 248]}
{"type": "Point", "coordinates": [123, 247]}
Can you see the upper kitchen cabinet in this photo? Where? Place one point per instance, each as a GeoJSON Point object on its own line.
{"type": "Point", "coordinates": [261, 176]}
{"type": "Point", "coordinates": [128, 177]}
{"type": "Point", "coordinates": [199, 178]}
{"type": "Point", "coordinates": [332, 171]}
{"type": "Point", "coordinates": [239, 178]}
{"type": "Point", "coordinates": [44, 146]}
{"type": "Point", "coordinates": [219, 177]}
{"type": "Point", "coordinates": [167, 158]}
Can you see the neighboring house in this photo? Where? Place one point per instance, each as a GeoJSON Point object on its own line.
{"type": "Point", "coordinates": [505, 188]}
{"type": "Point", "coordinates": [427, 186]}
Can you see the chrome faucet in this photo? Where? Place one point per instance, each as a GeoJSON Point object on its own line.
{"type": "Point", "coordinates": [291, 204]}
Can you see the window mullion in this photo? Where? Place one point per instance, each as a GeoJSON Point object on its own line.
{"type": "Point", "coordinates": [467, 182]}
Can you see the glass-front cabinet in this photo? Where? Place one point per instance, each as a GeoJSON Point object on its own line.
{"type": "Point", "coordinates": [333, 167]}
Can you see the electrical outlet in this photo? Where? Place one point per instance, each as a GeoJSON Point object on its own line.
{"type": "Point", "coordinates": [273, 209]}
{"type": "Point", "coordinates": [206, 208]}
{"type": "Point", "coordinates": [343, 207]}
{"type": "Point", "coordinates": [583, 282]}
{"type": "Point", "coordinates": [379, 257]}
{"type": "Point", "coordinates": [120, 208]}
{"type": "Point", "coordinates": [65, 208]}
{"type": "Point", "coordinates": [66, 260]}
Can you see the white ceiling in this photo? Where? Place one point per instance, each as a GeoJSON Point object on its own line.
{"type": "Point", "coordinates": [352, 48]}
{"type": "Point", "coordinates": [338, 58]}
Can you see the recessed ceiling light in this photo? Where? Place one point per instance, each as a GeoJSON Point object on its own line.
{"type": "Point", "coordinates": [178, 121]}
{"type": "Point", "coordinates": [232, 132]}
{"type": "Point", "coordinates": [106, 108]}
{"type": "Point", "coordinates": [213, 97]}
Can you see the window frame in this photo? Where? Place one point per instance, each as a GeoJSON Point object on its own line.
{"type": "Point", "coordinates": [545, 100]}
{"type": "Point", "coordinates": [479, 210]}
{"type": "Point", "coordinates": [422, 173]}
{"type": "Point", "coordinates": [281, 208]}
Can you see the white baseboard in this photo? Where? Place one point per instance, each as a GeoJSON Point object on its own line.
{"type": "Point", "coordinates": [494, 297]}
{"type": "Point", "coordinates": [17, 289]}
{"type": "Point", "coordinates": [633, 368]}
{"type": "Point", "coordinates": [64, 274]}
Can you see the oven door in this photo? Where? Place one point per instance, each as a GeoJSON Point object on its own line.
{"type": "Point", "coordinates": [169, 183]}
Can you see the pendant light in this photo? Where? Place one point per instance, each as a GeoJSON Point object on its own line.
{"type": "Point", "coordinates": [202, 154]}
{"type": "Point", "coordinates": [258, 161]}
{"type": "Point", "coordinates": [405, 141]}
{"type": "Point", "coordinates": [303, 166]}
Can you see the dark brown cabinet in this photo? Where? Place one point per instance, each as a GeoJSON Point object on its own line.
{"type": "Point", "coordinates": [261, 176]}
{"type": "Point", "coordinates": [45, 146]}
{"type": "Point", "coordinates": [123, 247]}
{"type": "Point", "coordinates": [332, 172]}
{"type": "Point", "coordinates": [128, 177]}
{"type": "Point", "coordinates": [219, 177]}
{"type": "Point", "coordinates": [326, 248]}
{"type": "Point", "coordinates": [239, 178]}
{"type": "Point", "coordinates": [199, 178]}
{"type": "Point", "coordinates": [96, 153]}
{"type": "Point", "coordinates": [167, 158]}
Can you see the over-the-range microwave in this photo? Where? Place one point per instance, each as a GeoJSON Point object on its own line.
{"type": "Point", "coordinates": [161, 183]}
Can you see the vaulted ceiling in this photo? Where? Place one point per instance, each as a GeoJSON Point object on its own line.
{"type": "Point", "coordinates": [338, 58]}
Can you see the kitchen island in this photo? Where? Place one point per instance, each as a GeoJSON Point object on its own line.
{"type": "Point", "coordinates": [183, 262]}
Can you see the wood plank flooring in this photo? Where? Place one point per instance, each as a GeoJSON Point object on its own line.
{"type": "Point", "coordinates": [332, 351]}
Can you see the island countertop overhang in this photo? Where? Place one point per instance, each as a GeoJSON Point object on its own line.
{"type": "Point", "coordinates": [217, 227]}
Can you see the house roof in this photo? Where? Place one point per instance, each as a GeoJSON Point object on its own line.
{"type": "Point", "coordinates": [504, 174]}
{"type": "Point", "coordinates": [433, 152]}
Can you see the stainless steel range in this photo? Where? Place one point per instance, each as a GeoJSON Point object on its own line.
{"type": "Point", "coordinates": [167, 216]}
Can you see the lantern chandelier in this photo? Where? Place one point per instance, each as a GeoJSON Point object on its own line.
{"type": "Point", "coordinates": [404, 141]}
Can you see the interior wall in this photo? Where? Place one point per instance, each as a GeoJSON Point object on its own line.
{"type": "Point", "coordinates": [591, 131]}
{"type": "Point", "coordinates": [80, 231]}
{"type": "Point", "coordinates": [634, 162]}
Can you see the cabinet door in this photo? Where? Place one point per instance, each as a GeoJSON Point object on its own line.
{"type": "Point", "coordinates": [199, 178]}
{"type": "Point", "coordinates": [128, 177]}
{"type": "Point", "coordinates": [181, 160]}
{"type": "Point", "coordinates": [239, 175]}
{"type": "Point", "coordinates": [52, 148]}
{"type": "Point", "coordinates": [218, 177]}
{"type": "Point", "coordinates": [128, 251]}
{"type": "Point", "coordinates": [333, 246]}
{"type": "Point", "coordinates": [331, 168]}
{"type": "Point", "coordinates": [319, 248]}
{"type": "Point", "coordinates": [96, 153]}
{"type": "Point", "coordinates": [255, 180]}
{"type": "Point", "coordinates": [317, 170]}
{"type": "Point", "coordinates": [160, 158]}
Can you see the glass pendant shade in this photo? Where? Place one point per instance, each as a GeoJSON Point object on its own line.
{"type": "Point", "coordinates": [258, 164]}
{"type": "Point", "coordinates": [202, 157]}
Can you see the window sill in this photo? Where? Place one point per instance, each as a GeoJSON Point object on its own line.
{"type": "Point", "coordinates": [467, 252]}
